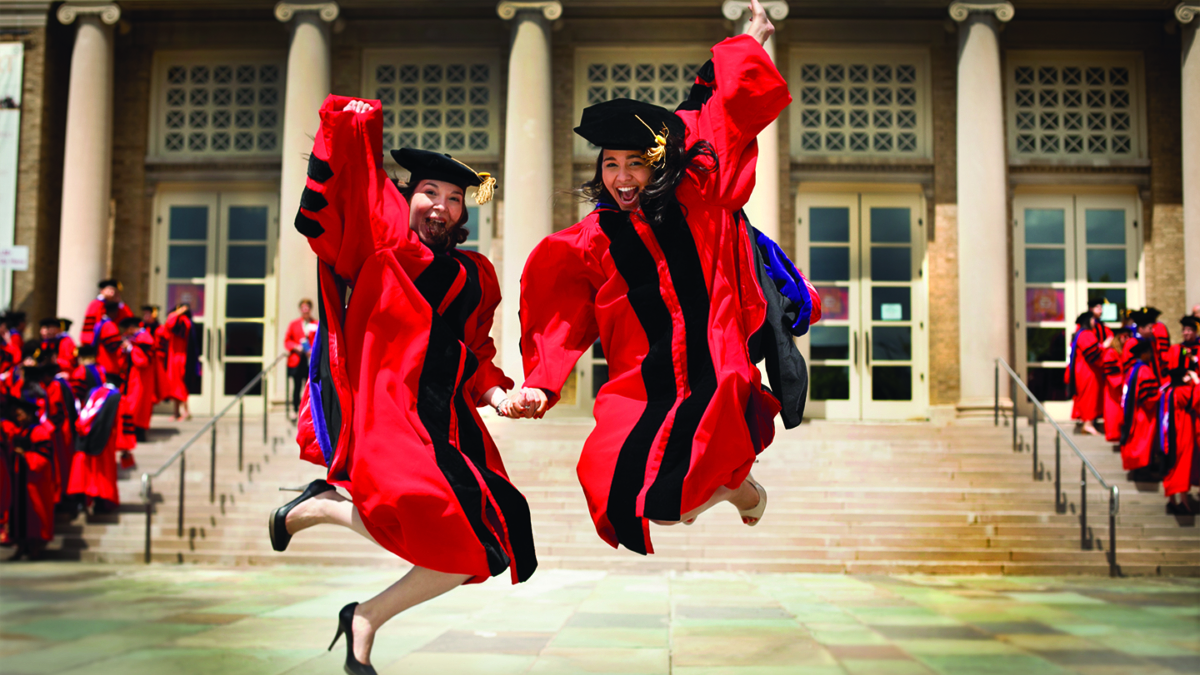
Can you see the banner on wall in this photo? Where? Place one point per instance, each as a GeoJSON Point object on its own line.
{"type": "Point", "coordinates": [12, 63]}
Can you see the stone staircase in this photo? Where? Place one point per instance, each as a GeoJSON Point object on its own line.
{"type": "Point", "coordinates": [853, 498]}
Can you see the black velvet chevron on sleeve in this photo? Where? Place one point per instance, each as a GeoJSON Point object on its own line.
{"type": "Point", "coordinates": [701, 88]}
{"type": "Point", "coordinates": [319, 171]}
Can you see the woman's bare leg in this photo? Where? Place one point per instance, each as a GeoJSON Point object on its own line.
{"type": "Point", "coordinates": [419, 585]}
{"type": "Point", "coordinates": [327, 508]}
{"type": "Point", "coordinates": [744, 497]}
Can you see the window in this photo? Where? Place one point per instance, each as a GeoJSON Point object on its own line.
{"type": "Point", "coordinates": [1082, 107]}
{"type": "Point", "coordinates": [860, 104]}
{"type": "Point", "coordinates": [216, 105]}
{"type": "Point", "coordinates": [439, 101]}
{"type": "Point", "coordinates": [662, 76]}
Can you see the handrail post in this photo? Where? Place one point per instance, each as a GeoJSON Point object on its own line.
{"type": "Point", "coordinates": [1059, 502]}
{"type": "Point", "coordinates": [146, 497]}
{"type": "Point", "coordinates": [1034, 420]}
{"type": "Point", "coordinates": [266, 407]}
{"type": "Point", "coordinates": [241, 428]}
{"type": "Point", "coordinates": [1083, 508]}
{"type": "Point", "coordinates": [182, 471]}
{"type": "Point", "coordinates": [1113, 505]}
{"type": "Point", "coordinates": [996, 407]}
{"type": "Point", "coordinates": [212, 466]}
{"type": "Point", "coordinates": [1013, 382]}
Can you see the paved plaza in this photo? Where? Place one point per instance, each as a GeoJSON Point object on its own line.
{"type": "Point", "coordinates": [92, 619]}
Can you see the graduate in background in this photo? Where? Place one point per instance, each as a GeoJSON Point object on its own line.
{"type": "Point", "coordinates": [1186, 354]}
{"type": "Point", "coordinates": [298, 341]}
{"type": "Point", "coordinates": [1114, 364]}
{"type": "Point", "coordinates": [182, 358]}
{"type": "Point", "coordinates": [57, 348]}
{"type": "Point", "coordinates": [16, 329]}
{"type": "Point", "coordinates": [132, 363]}
{"type": "Point", "coordinates": [61, 412]}
{"type": "Point", "coordinates": [152, 325]}
{"type": "Point", "coordinates": [94, 465]}
{"type": "Point", "coordinates": [138, 397]}
{"type": "Point", "coordinates": [106, 338]}
{"type": "Point", "coordinates": [1175, 439]}
{"type": "Point", "coordinates": [87, 375]}
{"type": "Point", "coordinates": [1145, 321]}
{"type": "Point", "coordinates": [1140, 403]}
{"type": "Point", "coordinates": [1096, 309]}
{"type": "Point", "coordinates": [1084, 375]}
{"type": "Point", "coordinates": [110, 292]}
{"type": "Point", "coordinates": [34, 487]}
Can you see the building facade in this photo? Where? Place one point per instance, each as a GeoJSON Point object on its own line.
{"type": "Point", "coordinates": [958, 179]}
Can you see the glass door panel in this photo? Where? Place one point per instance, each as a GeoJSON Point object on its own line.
{"type": "Point", "coordinates": [828, 233]}
{"type": "Point", "coordinates": [187, 225]}
{"type": "Point", "coordinates": [1107, 260]}
{"type": "Point", "coordinates": [1045, 239]}
{"type": "Point", "coordinates": [245, 287]}
{"type": "Point", "coordinates": [892, 368]}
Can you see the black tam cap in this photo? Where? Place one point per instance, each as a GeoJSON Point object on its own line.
{"type": "Point", "coordinates": [615, 124]}
{"type": "Point", "coordinates": [1190, 322]}
{"type": "Point", "coordinates": [1151, 314]}
{"type": "Point", "coordinates": [149, 308]}
{"type": "Point", "coordinates": [65, 323]}
{"type": "Point", "coordinates": [1083, 319]}
{"type": "Point", "coordinates": [31, 350]}
{"type": "Point", "coordinates": [425, 165]}
{"type": "Point", "coordinates": [1142, 347]}
{"type": "Point", "coordinates": [129, 322]}
{"type": "Point", "coordinates": [14, 318]}
{"type": "Point", "coordinates": [49, 322]}
{"type": "Point", "coordinates": [1141, 318]}
{"type": "Point", "coordinates": [86, 351]}
{"type": "Point", "coordinates": [1122, 330]}
{"type": "Point", "coordinates": [12, 404]}
{"type": "Point", "coordinates": [109, 283]}
{"type": "Point", "coordinates": [1098, 300]}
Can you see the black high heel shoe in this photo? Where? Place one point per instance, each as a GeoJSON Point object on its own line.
{"type": "Point", "coordinates": [277, 524]}
{"type": "Point", "coordinates": [346, 625]}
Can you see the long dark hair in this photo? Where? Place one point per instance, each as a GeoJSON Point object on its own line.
{"type": "Point", "coordinates": [658, 200]}
{"type": "Point", "coordinates": [458, 234]}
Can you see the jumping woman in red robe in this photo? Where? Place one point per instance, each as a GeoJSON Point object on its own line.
{"type": "Point", "coordinates": [397, 375]}
{"type": "Point", "coordinates": [663, 273]}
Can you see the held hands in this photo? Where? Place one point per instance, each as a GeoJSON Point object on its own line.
{"type": "Point", "coordinates": [759, 27]}
{"type": "Point", "coordinates": [524, 403]}
{"type": "Point", "coordinates": [357, 106]}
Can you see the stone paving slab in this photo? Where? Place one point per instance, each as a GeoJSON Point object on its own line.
{"type": "Point", "coordinates": [93, 619]}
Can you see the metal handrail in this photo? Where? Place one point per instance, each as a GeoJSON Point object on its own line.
{"type": "Point", "coordinates": [1060, 502]}
{"type": "Point", "coordinates": [210, 426]}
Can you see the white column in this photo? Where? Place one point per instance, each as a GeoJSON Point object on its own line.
{"type": "Point", "coordinates": [1186, 13]}
{"type": "Point", "coordinates": [983, 280]}
{"type": "Point", "coordinates": [528, 159]}
{"type": "Point", "coordinates": [308, 83]}
{"type": "Point", "coordinates": [87, 163]}
{"type": "Point", "coordinates": [763, 207]}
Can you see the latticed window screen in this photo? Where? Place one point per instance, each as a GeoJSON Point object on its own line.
{"type": "Point", "coordinates": [1072, 108]}
{"type": "Point", "coordinates": [659, 76]}
{"type": "Point", "coordinates": [440, 102]}
{"type": "Point", "coordinates": [218, 105]}
{"type": "Point", "coordinates": [859, 104]}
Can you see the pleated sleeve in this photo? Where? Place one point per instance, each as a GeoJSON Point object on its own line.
{"type": "Point", "coordinates": [558, 306]}
{"type": "Point", "coordinates": [748, 93]}
{"type": "Point", "coordinates": [349, 208]}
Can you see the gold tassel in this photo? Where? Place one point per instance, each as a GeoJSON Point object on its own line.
{"type": "Point", "coordinates": [486, 188]}
{"type": "Point", "coordinates": [654, 156]}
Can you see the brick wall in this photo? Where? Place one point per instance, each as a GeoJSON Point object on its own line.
{"type": "Point", "coordinates": [133, 233]}
{"type": "Point", "coordinates": [942, 247]}
{"type": "Point", "coordinates": [1163, 202]}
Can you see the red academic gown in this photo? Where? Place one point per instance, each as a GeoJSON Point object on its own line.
{"type": "Point", "coordinates": [177, 331]}
{"type": "Point", "coordinates": [298, 331]}
{"type": "Point", "coordinates": [1114, 365]}
{"type": "Point", "coordinates": [95, 310]}
{"type": "Point", "coordinates": [62, 348]}
{"type": "Point", "coordinates": [95, 475]}
{"type": "Point", "coordinates": [108, 345]}
{"type": "Point", "coordinates": [403, 368]}
{"type": "Point", "coordinates": [138, 398]}
{"type": "Point", "coordinates": [162, 350]}
{"type": "Point", "coordinates": [1176, 438]}
{"type": "Point", "coordinates": [62, 415]}
{"type": "Point", "coordinates": [684, 411]}
{"type": "Point", "coordinates": [1085, 376]}
{"type": "Point", "coordinates": [35, 488]}
{"type": "Point", "coordinates": [1140, 397]}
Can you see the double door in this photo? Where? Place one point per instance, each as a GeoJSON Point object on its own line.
{"type": "Point", "coordinates": [216, 251]}
{"type": "Point", "coordinates": [865, 254]}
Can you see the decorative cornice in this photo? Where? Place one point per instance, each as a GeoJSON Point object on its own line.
{"type": "Point", "coordinates": [1186, 11]}
{"type": "Point", "coordinates": [24, 14]}
{"type": "Point", "coordinates": [286, 11]}
{"type": "Point", "coordinates": [959, 11]}
{"type": "Point", "coordinates": [736, 9]}
{"type": "Point", "coordinates": [109, 12]}
{"type": "Point", "coordinates": [551, 9]}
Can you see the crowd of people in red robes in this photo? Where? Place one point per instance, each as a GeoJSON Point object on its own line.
{"type": "Point", "coordinates": [1147, 392]}
{"type": "Point", "coordinates": [74, 408]}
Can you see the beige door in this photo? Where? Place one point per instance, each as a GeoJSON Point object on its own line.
{"type": "Point", "coordinates": [215, 250]}
{"type": "Point", "coordinates": [865, 254]}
